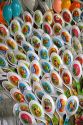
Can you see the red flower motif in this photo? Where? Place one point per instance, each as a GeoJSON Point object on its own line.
{"type": "Point", "coordinates": [79, 120]}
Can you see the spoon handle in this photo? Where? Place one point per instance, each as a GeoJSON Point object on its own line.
{"type": "Point", "coordinates": [71, 92]}
{"type": "Point", "coordinates": [66, 122]}
{"type": "Point", "coordinates": [61, 121]}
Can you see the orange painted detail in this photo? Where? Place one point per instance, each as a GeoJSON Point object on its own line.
{"type": "Point", "coordinates": [74, 5]}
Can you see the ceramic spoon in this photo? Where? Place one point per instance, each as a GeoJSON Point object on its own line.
{"type": "Point", "coordinates": [60, 107]}
{"type": "Point", "coordinates": [48, 88]}
{"type": "Point", "coordinates": [71, 108]}
{"type": "Point", "coordinates": [56, 80]}
{"type": "Point", "coordinates": [37, 110]}
{"type": "Point", "coordinates": [27, 118]}
{"type": "Point", "coordinates": [48, 106]}
{"type": "Point", "coordinates": [67, 79]}
{"type": "Point", "coordinates": [76, 70]}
